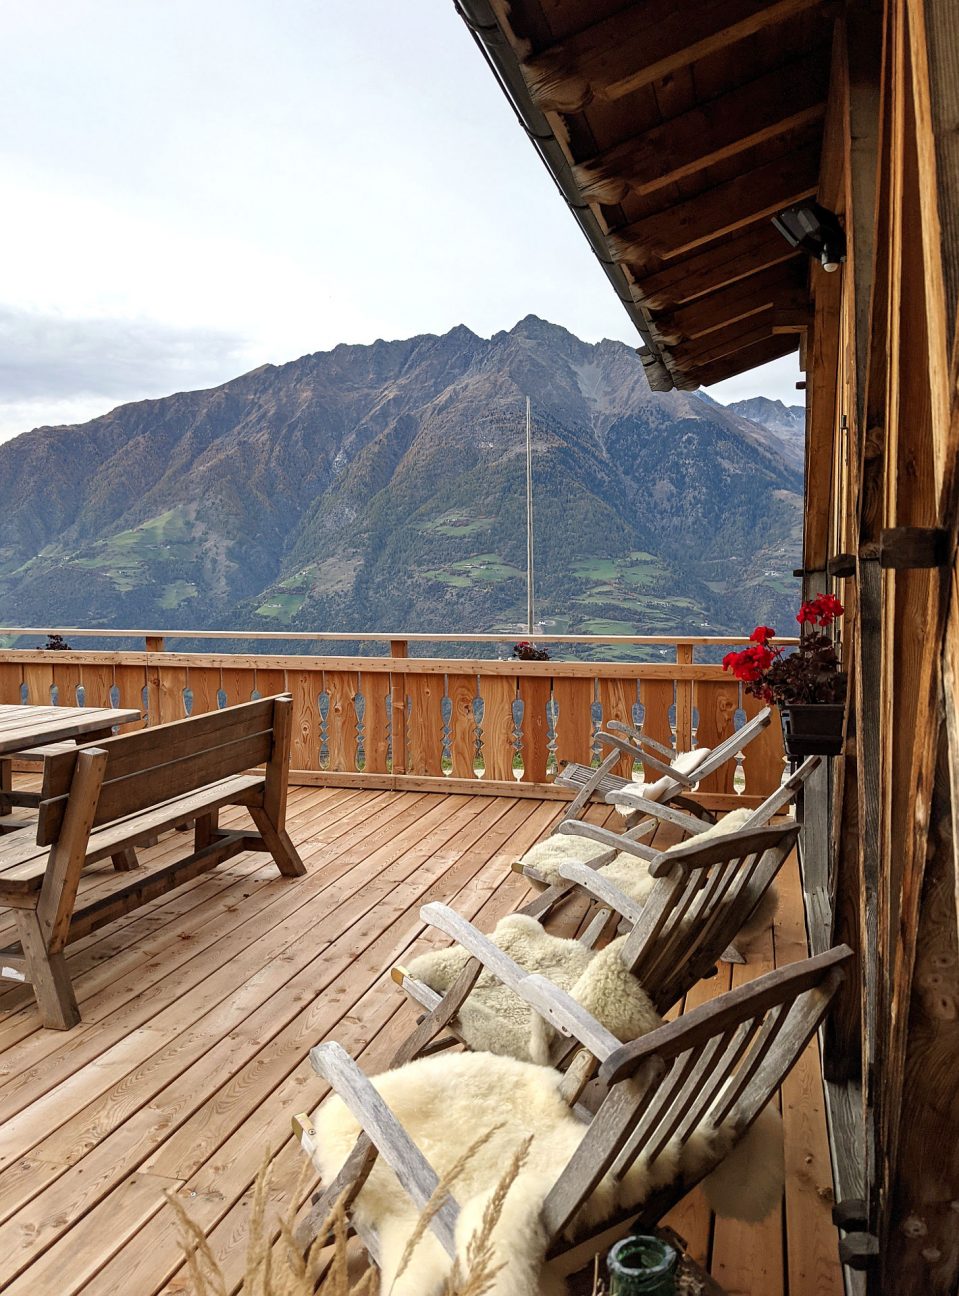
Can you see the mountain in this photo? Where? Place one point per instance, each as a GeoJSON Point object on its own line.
{"type": "Point", "coordinates": [787, 422]}
{"type": "Point", "coordinates": [382, 488]}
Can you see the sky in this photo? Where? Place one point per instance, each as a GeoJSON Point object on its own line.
{"type": "Point", "coordinates": [193, 188]}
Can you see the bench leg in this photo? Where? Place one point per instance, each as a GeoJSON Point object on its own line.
{"type": "Point", "coordinates": [278, 843]}
{"type": "Point", "coordinates": [6, 785]}
{"type": "Point", "coordinates": [125, 861]}
{"type": "Point", "coordinates": [205, 829]}
{"type": "Point", "coordinates": [48, 974]}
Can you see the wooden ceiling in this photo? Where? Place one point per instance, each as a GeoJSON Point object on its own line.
{"type": "Point", "coordinates": [683, 127]}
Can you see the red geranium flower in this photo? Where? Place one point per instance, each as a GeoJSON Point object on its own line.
{"type": "Point", "coordinates": [762, 634]}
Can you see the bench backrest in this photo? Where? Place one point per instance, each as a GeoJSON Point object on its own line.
{"type": "Point", "coordinates": [150, 766]}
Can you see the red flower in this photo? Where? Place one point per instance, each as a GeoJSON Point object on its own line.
{"type": "Point", "coordinates": [762, 634]}
{"type": "Point", "coordinates": [821, 611]}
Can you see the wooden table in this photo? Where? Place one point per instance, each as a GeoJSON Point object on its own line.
{"type": "Point", "coordinates": [22, 727]}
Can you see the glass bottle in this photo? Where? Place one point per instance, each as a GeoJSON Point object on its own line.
{"type": "Point", "coordinates": [643, 1265]}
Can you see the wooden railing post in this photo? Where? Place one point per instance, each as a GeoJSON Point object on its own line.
{"type": "Point", "coordinates": [684, 701]}
{"type": "Point", "coordinates": [399, 649]}
{"type": "Point", "coordinates": [154, 644]}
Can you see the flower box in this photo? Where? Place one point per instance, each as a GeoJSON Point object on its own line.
{"type": "Point", "coordinates": [812, 728]}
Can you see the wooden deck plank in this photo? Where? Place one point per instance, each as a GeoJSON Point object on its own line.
{"type": "Point", "coordinates": [200, 1009]}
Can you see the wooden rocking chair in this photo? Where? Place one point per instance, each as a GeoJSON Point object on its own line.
{"type": "Point", "coordinates": [702, 895]}
{"type": "Point", "coordinates": [714, 1069]}
{"type": "Point", "coordinates": [580, 875]}
{"type": "Point", "coordinates": [680, 773]}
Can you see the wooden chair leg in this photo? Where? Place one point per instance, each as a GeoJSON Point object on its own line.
{"type": "Point", "coordinates": [125, 861]}
{"type": "Point", "coordinates": [278, 843]}
{"type": "Point", "coordinates": [48, 974]}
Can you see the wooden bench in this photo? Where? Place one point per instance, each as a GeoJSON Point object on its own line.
{"type": "Point", "coordinates": [102, 800]}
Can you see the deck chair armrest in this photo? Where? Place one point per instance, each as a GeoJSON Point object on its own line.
{"type": "Point", "coordinates": [602, 889]}
{"type": "Point", "coordinates": [664, 813]}
{"type": "Point", "coordinates": [616, 841]}
{"type": "Point", "coordinates": [560, 1008]}
{"type": "Point", "coordinates": [415, 1174]}
{"type": "Point", "coordinates": [663, 767]}
{"type": "Point", "coordinates": [640, 739]}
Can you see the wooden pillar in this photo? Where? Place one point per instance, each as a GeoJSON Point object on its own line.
{"type": "Point", "coordinates": [684, 701]}
{"type": "Point", "coordinates": [399, 649]}
{"type": "Point", "coordinates": [154, 644]}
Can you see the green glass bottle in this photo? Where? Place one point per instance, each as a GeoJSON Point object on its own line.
{"type": "Point", "coordinates": [643, 1265]}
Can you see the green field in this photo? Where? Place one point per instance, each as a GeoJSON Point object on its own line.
{"type": "Point", "coordinates": [177, 592]}
{"type": "Point", "coordinates": [281, 607]}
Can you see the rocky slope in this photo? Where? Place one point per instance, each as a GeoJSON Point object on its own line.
{"type": "Point", "coordinates": [382, 487]}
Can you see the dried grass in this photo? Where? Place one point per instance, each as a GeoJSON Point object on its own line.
{"type": "Point", "coordinates": [277, 1267]}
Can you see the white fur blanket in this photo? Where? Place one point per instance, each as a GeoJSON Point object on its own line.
{"type": "Point", "coordinates": [496, 1020]}
{"type": "Point", "coordinates": [631, 874]}
{"type": "Point", "coordinates": [444, 1102]}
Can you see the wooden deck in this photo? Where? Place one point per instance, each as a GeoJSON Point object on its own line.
{"type": "Point", "coordinates": [198, 1014]}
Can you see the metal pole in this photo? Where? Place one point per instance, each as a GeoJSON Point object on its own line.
{"type": "Point", "coordinates": [529, 520]}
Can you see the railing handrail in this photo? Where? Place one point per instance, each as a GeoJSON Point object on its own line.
{"type": "Point", "coordinates": [379, 636]}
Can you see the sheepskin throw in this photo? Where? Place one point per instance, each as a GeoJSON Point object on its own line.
{"type": "Point", "coordinates": [496, 1020]}
{"type": "Point", "coordinates": [631, 874]}
{"type": "Point", "coordinates": [445, 1100]}
{"type": "Point", "coordinates": [685, 763]}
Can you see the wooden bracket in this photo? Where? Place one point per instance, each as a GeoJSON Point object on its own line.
{"type": "Point", "coordinates": [850, 1214]}
{"type": "Point", "coordinates": [842, 565]}
{"type": "Point", "coordinates": [908, 548]}
{"type": "Point", "coordinates": [858, 1250]}
{"type": "Point", "coordinates": [799, 573]}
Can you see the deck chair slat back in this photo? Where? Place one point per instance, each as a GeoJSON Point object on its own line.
{"type": "Point", "coordinates": [145, 769]}
{"type": "Point", "coordinates": [712, 1038]}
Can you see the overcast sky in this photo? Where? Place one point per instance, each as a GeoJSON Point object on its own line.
{"type": "Point", "coordinates": [192, 188]}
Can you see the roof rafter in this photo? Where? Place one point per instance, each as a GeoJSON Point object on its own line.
{"type": "Point", "coordinates": [779, 344]}
{"type": "Point", "coordinates": [715, 266]}
{"type": "Point", "coordinates": [760, 192]}
{"type": "Point", "coordinates": [784, 99]}
{"type": "Point", "coordinates": [643, 44]}
{"type": "Point", "coordinates": [783, 286]}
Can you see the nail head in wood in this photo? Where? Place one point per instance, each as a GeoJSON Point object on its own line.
{"type": "Point", "coordinates": [909, 548]}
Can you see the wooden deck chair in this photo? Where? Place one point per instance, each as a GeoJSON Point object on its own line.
{"type": "Point", "coordinates": [701, 896]}
{"type": "Point", "coordinates": [667, 1110]}
{"type": "Point", "coordinates": [569, 875]}
{"type": "Point", "coordinates": [679, 773]}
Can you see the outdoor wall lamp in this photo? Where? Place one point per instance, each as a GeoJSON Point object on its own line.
{"type": "Point", "coordinates": [815, 230]}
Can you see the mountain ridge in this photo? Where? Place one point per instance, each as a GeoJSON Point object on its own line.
{"type": "Point", "coordinates": [370, 484]}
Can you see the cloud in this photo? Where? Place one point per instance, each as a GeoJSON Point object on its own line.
{"type": "Point", "coordinates": [44, 357]}
{"type": "Point", "coordinates": [54, 369]}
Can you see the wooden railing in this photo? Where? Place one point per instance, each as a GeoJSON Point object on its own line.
{"type": "Point", "coordinates": [424, 723]}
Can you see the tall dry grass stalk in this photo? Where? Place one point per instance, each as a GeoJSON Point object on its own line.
{"type": "Point", "coordinates": [277, 1267]}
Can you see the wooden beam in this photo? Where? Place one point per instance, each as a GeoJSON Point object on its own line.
{"type": "Point", "coordinates": [714, 267]}
{"type": "Point", "coordinates": [723, 342]}
{"type": "Point", "coordinates": [823, 380]}
{"type": "Point", "coordinates": [748, 358]}
{"type": "Point", "coordinates": [763, 191]}
{"type": "Point", "coordinates": [644, 43]}
{"type": "Point", "coordinates": [783, 286]}
{"type": "Point", "coordinates": [763, 109]}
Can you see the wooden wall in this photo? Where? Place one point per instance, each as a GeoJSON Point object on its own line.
{"type": "Point", "coordinates": [882, 487]}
